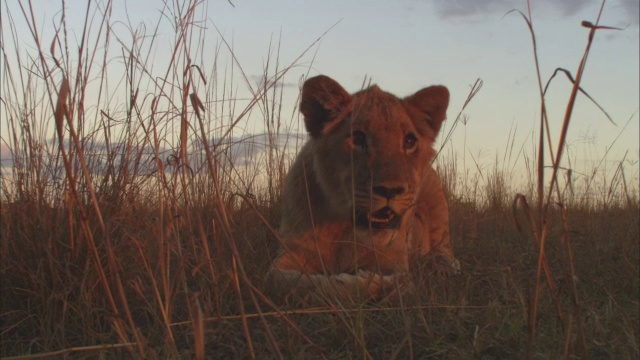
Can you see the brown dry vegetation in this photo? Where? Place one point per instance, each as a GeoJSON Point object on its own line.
{"type": "Point", "coordinates": [113, 248]}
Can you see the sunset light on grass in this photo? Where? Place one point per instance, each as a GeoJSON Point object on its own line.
{"type": "Point", "coordinates": [144, 146]}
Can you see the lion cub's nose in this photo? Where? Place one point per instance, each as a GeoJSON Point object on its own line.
{"type": "Point", "coordinates": [388, 192]}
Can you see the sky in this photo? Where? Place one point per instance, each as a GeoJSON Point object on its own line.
{"type": "Point", "coordinates": [406, 45]}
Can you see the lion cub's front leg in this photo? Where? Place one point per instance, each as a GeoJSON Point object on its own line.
{"type": "Point", "coordinates": [430, 231]}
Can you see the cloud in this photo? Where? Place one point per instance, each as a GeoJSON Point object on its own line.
{"type": "Point", "coordinates": [6, 156]}
{"type": "Point", "coordinates": [6, 160]}
{"type": "Point", "coordinates": [259, 80]}
{"type": "Point", "coordinates": [245, 150]}
{"type": "Point", "coordinates": [571, 7]}
{"type": "Point", "coordinates": [249, 149]}
{"type": "Point", "coordinates": [632, 10]}
{"type": "Point", "coordinates": [246, 153]}
{"type": "Point", "coordinates": [469, 8]}
{"type": "Point", "coordinates": [619, 12]}
{"type": "Point", "coordinates": [472, 8]}
{"type": "Point", "coordinates": [238, 151]}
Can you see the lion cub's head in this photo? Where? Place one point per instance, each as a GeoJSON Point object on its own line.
{"type": "Point", "coordinates": [371, 149]}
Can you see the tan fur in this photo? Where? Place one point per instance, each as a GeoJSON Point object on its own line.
{"type": "Point", "coordinates": [361, 157]}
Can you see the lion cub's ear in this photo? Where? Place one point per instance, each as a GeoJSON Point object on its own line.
{"type": "Point", "coordinates": [432, 102]}
{"type": "Point", "coordinates": [323, 99]}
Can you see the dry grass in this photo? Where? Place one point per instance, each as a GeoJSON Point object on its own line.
{"type": "Point", "coordinates": [135, 228]}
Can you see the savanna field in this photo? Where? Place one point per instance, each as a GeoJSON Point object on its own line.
{"type": "Point", "coordinates": [138, 218]}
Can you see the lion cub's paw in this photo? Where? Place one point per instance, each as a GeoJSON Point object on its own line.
{"type": "Point", "coordinates": [369, 283]}
{"type": "Point", "coordinates": [383, 280]}
{"type": "Point", "coordinates": [455, 267]}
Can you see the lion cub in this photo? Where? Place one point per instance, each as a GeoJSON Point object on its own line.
{"type": "Point", "coordinates": [361, 198]}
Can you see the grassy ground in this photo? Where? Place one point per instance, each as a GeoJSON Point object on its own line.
{"type": "Point", "coordinates": [119, 245]}
{"type": "Point", "coordinates": [53, 297]}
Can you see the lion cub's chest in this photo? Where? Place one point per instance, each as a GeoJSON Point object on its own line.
{"type": "Point", "coordinates": [383, 251]}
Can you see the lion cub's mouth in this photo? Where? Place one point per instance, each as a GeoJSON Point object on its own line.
{"type": "Point", "coordinates": [384, 218]}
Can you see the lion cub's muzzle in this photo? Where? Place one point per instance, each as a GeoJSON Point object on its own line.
{"type": "Point", "coordinates": [386, 216]}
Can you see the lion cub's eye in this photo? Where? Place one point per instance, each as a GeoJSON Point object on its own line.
{"type": "Point", "coordinates": [358, 139]}
{"type": "Point", "coordinates": [410, 141]}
